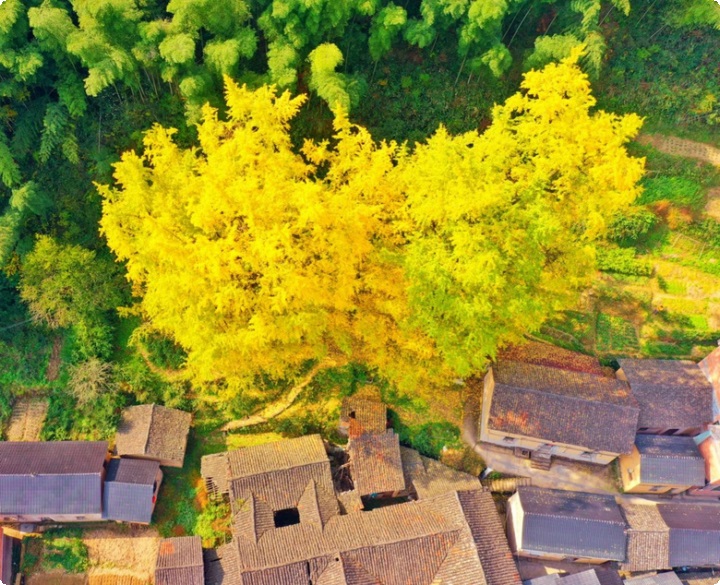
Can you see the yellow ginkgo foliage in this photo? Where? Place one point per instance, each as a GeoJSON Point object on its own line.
{"type": "Point", "coordinates": [257, 259]}
{"type": "Point", "coordinates": [505, 222]}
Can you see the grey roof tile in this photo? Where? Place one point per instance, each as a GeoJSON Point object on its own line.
{"type": "Point", "coordinates": [572, 523]}
{"type": "Point", "coordinates": [51, 478]}
{"type": "Point", "coordinates": [154, 432]}
{"type": "Point", "coordinates": [648, 547]}
{"type": "Point", "coordinates": [694, 533]}
{"type": "Point", "coordinates": [128, 490]}
{"type": "Point", "coordinates": [668, 578]}
{"type": "Point", "coordinates": [670, 460]}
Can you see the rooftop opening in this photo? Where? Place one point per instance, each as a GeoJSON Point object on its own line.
{"type": "Point", "coordinates": [287, 517]}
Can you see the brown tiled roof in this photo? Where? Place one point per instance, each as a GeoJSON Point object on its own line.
{"type": "Point", "coordinates": [429, 477]}
{"type": "Point", "coordinates": [214, 470]}
{"type": "Point", "coordinates": [554, 405]}
{"type": "Point", "coordinates": [349, 501]}
{"type": "Point", "coordinates": [180, 562]}
{"type": "Point", "coordinates": [668, 578]}
{"type": "Point", "coordinates": [375, 463]}
{"type": "Point", "coordinates": [154, 432]}
{"type": "Point", "coordinates": [394, 545]}
{"type": "Point", "coordinates": [648, 547]}
{"type": "Point", "coordinates": [671, 393]}
{"type": "Point", "coordinates": [363, 415]}
{"type": "Point", "coordinates": [221, 566]}
{"type": "Point", "coordinates": [487, 530]}
{"type": "Point", "coordinates": [545, 354]}
{"type": "Point", "coordinates": [276, 456]}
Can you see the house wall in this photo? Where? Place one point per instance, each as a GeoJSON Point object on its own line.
{"type": "Point", "coordinates": [6, 552]}
{"type": "Point", "coordinates": [502, 439]}
{"type": "Point", "coordinates": [515, 519]}
{"type": "Point", "coordinates": [631, 473]}
{"type": "Point", "coordinates": [49, 518]}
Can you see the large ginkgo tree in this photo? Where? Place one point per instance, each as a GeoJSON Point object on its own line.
{"type": "Point", "coordinates": [260, 259]}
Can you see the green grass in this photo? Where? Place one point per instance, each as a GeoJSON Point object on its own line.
{"type": "Point", "coordinates": [615, 335]}
{"type": "Point", "coordinates": [64, 549]}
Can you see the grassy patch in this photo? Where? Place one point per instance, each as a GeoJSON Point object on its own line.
{"type": "Point", "coordinates": [64, 549]}
{"type": "Point", "coordinates": [615, 335]}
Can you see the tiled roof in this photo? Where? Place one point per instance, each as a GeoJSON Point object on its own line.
{"type": "Point", "coordinates": [588, 577]}
{"type": "Point", "coordinates": [429, 477]}
{"type": "Point", "coordinates": [648, 547]}
{"type": "Point", "coordinates": [668, 578]}
{"type": "Point", "coordinates": [180, 562]}
{"type": "Point", "coordinates": [129, 490]}
{"type": "Point", "coordinates": [670, 461]}
{"type": "Point", "coordinates": [375, 464]}
{"type": "Point", "coordinates": [221, 566]}
{"type": "Point", "coordinates": [51, 478]}
{"type": "Point", "coordinates": [363, 413]}
{"type": "Point", "coordinates": [545, 354]}
{"type": "Point", "coordinates": [155, 432]}
{"type": "Point", "coordinates": [411, 542]}
{"type": "Point", "coordinates": [572, 523]}
{"type": "Point", "coordinates": [694, 533]}
{"type": "Point", "coordinates": [276, 456]}
{"type": "Point", "coordinates": [671, 393]}
{"type": "Point", "coordinates": [554, 405]}
{"type": "Point", "coordinates": [487, 529]}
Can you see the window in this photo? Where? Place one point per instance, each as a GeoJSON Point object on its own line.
{"type": "Point", "coordinates": [287, 517]}
{"type": "Point", "coordinates": [643, 429]}
{"type": "Point", "coordinates": [671, 432]}
{"type": "Point", "coordinates": [587, 454]}
{"type": "Point", "coordinates": [508, 439]}
{"type": "Point", "coordinates": [352, 414]}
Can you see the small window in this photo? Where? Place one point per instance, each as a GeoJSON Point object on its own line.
{"type": "Point", "coordinates": [643, 429]}
{"type": "Point", "coordinates": [352, 414]}
{"type": "Point", "coordinates": [587, 454]}
{"type": "Point", "coordinates": [508, 439]}
{"type": "Point", "coordinates": [671, 432]}
{"type": "Point", "coordinates": [287, 517]}
{"type": "Point", "coordinates": [656, 488]}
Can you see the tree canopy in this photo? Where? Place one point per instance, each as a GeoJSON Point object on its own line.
{"type": "Point", "coordinates": [257, 258]}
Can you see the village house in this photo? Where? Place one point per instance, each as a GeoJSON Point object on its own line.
{"type": "Point", "coordinates": [667, 578]}
{"type": "Point", "coordinates": [130, 491]}
{"type": "Point", "coordinates": [661, 465]}
{"type": "Point", "coordinates": [291, 526]}
{"type": "Point", "coordinates": [56, 481]}
{"type": "Point", "coordinates": [710, 366]}
{"type": "Point", "coordinates": [541, 412]}
{"type": "Point", "coordinates": [675, 397]}
{"type": "Point", "coordinates": [151, 431]}
{"type": "Point", "coordinates": [587, 577]}
{"type": "Point", "coordinates": [708, 443]}
{"type": "Point", "coordinates": [556, 525]}
{"type": "Point", "coordinates": [672, 534]}
{"type": "Point", "coordinates": [7, 545]}
{"type": "Point", "coordinates": [180, 562]}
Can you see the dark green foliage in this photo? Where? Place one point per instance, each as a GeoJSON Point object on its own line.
{"type": "Point", "coordinates": [64, 549]}
{"type": "Point", "coordinates": [163, 352]}
{"type": "Point", "coordinates": [626, 229]}
{"type": "Point", "coordinates": [623, 261]}
{"type": "Point", "coordinates": [430, 438]}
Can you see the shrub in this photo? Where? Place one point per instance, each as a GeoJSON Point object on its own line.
{"type": "Point", "coordinates": [64, 549]}
{"type": "Point", "coordinates": [631, 226]}
{"type": "Point", "coordinates": [213, 524]}
{"type": "Point", "coordinates": [90, 379]}
{"type": "Point", "coordinates": [623, 261]}
{"type": "Point", "coordinates": [163, 352]}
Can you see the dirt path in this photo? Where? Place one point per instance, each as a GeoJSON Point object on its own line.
{"type": "Point", "coordinates": [28, 417]}
{"type": "Point", "coordinates": [279, 406]}
{"type": "Point", "coordinates": [682, 147]}
{"type": "Point", "coordinates": [53, 368]}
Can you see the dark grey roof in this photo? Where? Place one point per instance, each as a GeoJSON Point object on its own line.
{"type": "Point", "coordinates": [137, 471]}
{"type": "Point", "coordinates": [694, 533]}
{"type": "Point", "coordinates": [180, 562]}
{"type": "Point", "coordinates": [51, 478]}
{"type": "Point", "coordinates": [670, 460]}
{"type": "Point", "coordinates": [430, 478]}
{"type": "Point", "coordinates": [129, 490]}
{"type": "Point", "coordinates": [594, 412]}
{"type": "Point", "coordinates": [671, 393]}
{"type": "Point", "coordinates": [668, 578]}
{"type": "Point", "coordinates": [276, 456]}
{"type": "Point", "coordinates": [572, 523]}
